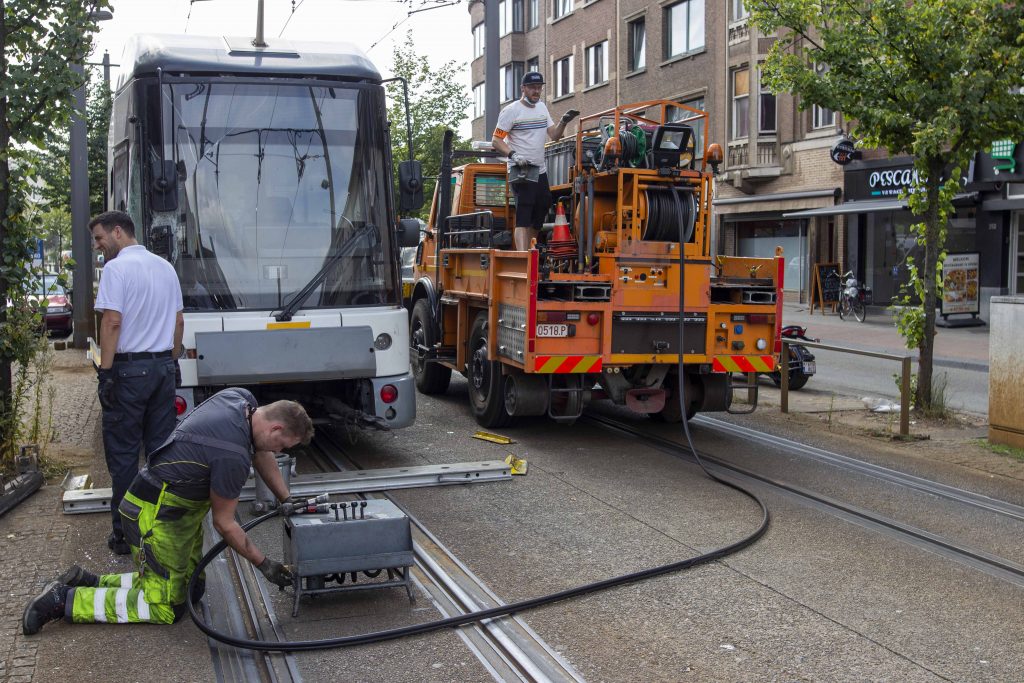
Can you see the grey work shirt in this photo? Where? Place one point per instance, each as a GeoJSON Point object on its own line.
{"type": "Point", "coordinates": [192, 470]}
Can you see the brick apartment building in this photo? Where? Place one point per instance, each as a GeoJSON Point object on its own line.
{"type": "Point", "coordinates": [778, 185]}
{"type": "Point", "coordinates": [701, 53]}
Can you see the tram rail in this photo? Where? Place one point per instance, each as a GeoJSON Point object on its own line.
{"type": "Point", "coordinates": [988, 563]}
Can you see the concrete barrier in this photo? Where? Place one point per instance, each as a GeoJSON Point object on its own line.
{"type": "Point", "coordinates": [1006, 371]}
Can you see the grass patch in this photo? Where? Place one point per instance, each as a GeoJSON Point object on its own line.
{"type": "Point", "coordinates": [1002, 449]}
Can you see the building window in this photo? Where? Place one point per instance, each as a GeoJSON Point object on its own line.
{"type": "Point", "coordinates": [822, 117]}
{"type": "Point", "coordinates": [637, 44]}
{"type": "Point", "coordinates": [533, 64]}
{"type": "Point", "coordinates": [510, 17]}
{"type": "Point", "coordinates": [511, 77]}
{"type": "Point", "coordinates": [682, 116]}
{"type": "Point", "coordinates": [597, 63]}
{"type": "Point", "coordinates": [740, 103]}
{"type": "Point", "coordinates": [478, 41]}
{"type": "Point", "coordinates": [562, 7]}
{"type": "Point", "coordinates": [478, 100]}
{"type": "Point", "coordinates": [563, 76]}
{"type": "Point", "coordinates": [532, 14]}
{"type": "Point", "coordinates": [684, 23]}
{"type": "Point", "coordinates": [766, 111]}
{"type": "Point", "coordinates": [738, 11]}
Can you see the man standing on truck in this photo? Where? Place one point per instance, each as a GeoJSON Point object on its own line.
{"type": "Point", "coordinates": [523, 128]}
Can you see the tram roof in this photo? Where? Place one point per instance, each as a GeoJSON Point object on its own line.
{"type": "Point", "coordinates": [145, 53]}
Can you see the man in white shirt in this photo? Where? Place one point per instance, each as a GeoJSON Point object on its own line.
{"type": "Point", "coordinates": [523, 128]}
{"type": "Point", "coordinates": [140, 336]}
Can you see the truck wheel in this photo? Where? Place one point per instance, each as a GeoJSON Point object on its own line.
{"type": "Point", "coordinates": [431, 378]}
{"type": "Point", "coordinates": [486, 383]}
{"type": "Point", "coordinates": [672, 412]}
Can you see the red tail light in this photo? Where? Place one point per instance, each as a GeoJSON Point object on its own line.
{"type": "Point", "coordinates": [389, 393]}
{"type": "Point", "coordinates": [593, 318]}
{"type": "Point", "coordinates": [180, 405]}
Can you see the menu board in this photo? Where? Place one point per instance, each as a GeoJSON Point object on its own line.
{"type": "Point", "coordinates": [960, 284]}
{"type": "Point", "coordinates": [827, 285]}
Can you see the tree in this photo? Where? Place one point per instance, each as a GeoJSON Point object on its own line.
{"type": "Point", "coordinates": [53, 160]}
{"type": "Point", "coordinates": [39, 41]}
{"type": "Point", "coordinates": [936, 79]}
{"type": "Point", "coordinates": [437, 100]}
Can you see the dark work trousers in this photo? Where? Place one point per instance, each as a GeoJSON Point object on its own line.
{"type": "Point", "coordinates": [138, 412]}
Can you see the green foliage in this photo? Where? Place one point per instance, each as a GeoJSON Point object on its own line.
{"type": "Point", "coordinates": [53, 160]}
{"type": "Point", "coordinates": [437, 101]}
{"type": "Point", "coordinates": [40, 40]}
{"type": "Point", "coordinates": [936, 79]}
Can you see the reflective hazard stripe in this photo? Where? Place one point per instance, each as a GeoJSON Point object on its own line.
{"type": "Point", "coordinates": [567, 364]}
{"type": "Point", "coordinates": [121, 605]}
{"type": "Point", "coordinates": [142, 607]}
{"type": "Point", "coordinates": [126, 580]}
{"type": "Point", "coordinates": [743, 364]}
{"type": "Point", "coordinates": [99, 604]}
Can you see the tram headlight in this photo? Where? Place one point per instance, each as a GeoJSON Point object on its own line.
{"type": "Point", "coordinates": [382, 342]}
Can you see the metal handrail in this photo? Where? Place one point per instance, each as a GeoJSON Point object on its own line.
{"type": "Point", "coordinates": [905, 361]}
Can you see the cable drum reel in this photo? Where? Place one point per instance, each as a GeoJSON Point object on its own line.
{"type": "Point", "coordinates": [663, 210]}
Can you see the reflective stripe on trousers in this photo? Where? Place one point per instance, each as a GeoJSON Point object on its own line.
{"type": "Point", "coordinates": [167, 543]}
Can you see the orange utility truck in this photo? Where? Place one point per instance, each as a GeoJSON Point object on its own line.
{"type": "Point", "coordinates": [619, 298]}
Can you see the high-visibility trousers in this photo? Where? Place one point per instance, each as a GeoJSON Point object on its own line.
{"type": "Point", "coordinates": [166, 535]}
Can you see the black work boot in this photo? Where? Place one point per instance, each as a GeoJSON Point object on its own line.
{"type": "Point", "coordinates": [76, 576]}
{"type": "Point", "coordinates": [47, 606]}
{"type": "Point", "coordinates": [118, 544]}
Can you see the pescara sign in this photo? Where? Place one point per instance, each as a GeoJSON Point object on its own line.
{"type": "Point", "coordinates": [843, 151]}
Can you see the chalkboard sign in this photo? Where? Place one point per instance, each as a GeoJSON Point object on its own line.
{"type": "Point", "coordinates": [827, 285]}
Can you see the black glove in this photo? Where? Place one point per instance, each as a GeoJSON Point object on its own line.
{"type": "Point", "coordinates": [105, 390]}
{"type": "Point", "coordinates": [275, 572]}
{"type": "Point", "coordinates": [518, 159]}
{"type": "Point", "coordinates": [570, 115]}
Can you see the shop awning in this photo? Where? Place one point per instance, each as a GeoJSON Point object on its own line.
{"type": "Point", "coordinates": [869, 205]}
{"type": "Point", "coordinates": [850, 207]}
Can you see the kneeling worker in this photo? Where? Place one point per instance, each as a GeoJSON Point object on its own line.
{"type": "Point", "coordinates": [202, 466]}
{"type": "Point", "coordinates": [523, 128]}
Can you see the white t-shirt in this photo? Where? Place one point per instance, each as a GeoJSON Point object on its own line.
{"type": "Point", "coordinates": [144, 289]}
{"type": "Point", "coordinates": [525, 129]}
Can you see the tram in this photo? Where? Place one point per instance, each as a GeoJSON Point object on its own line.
{"type": "Point", "coordinates": [263, 175]}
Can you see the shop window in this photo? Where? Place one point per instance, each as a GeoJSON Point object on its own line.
{"type": "Point", "coordinates": [684, 27]}
{"type": "Point", "coordinates": [637, 44]}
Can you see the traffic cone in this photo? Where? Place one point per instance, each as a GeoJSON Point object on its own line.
{"type": "Point", "coordinates": [561, 232]}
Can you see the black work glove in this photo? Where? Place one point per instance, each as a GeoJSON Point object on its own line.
{"type": "Point", "coordinates": [570, 115]}
{"type": "Point", "coordinates": [518, 159]}
{"type": "Point", "coordinates": [275, 572]}
{"type": "Point", "coordinates": [105, 389]}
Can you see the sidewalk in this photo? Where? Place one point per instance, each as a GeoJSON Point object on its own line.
{"type": "Point", "coordinates": [959, 347]}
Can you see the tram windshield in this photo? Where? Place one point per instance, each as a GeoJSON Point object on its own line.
{"type": "Point", "coordinates": [273, 180]}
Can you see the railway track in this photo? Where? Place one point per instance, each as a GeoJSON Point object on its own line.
{"type": "Point", "coordinates": [988, 563]}
{"type": "Point", "coordinates": [506, 647]}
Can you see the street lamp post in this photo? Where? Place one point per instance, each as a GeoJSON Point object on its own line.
{"type": "Point", "coordinates": [81, 241]}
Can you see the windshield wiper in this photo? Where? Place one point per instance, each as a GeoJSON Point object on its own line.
{"type": "Point", "coordinates": [344, 250]}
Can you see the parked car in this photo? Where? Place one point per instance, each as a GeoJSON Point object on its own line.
{"type": "Point", "coordinates": [55, 302]}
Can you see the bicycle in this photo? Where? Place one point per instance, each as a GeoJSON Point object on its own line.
{"type": "Point", "coordinates": [851, 298]}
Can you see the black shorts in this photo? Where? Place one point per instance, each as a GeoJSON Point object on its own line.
{"type": "Point", "coordinates": [533, 201]}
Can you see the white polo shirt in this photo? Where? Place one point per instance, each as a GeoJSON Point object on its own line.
{"type": "Point", "coordinates": [144, 289]}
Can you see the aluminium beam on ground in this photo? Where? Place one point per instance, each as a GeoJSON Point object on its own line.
{"type": "Point", "coordinates": [359, 481]}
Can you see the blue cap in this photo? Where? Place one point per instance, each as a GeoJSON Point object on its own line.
{"type": "Point", "coordinates": [533, 78]}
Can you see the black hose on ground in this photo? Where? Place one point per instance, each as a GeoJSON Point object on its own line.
{"type": "Point", "coordinates": [522, 605]}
